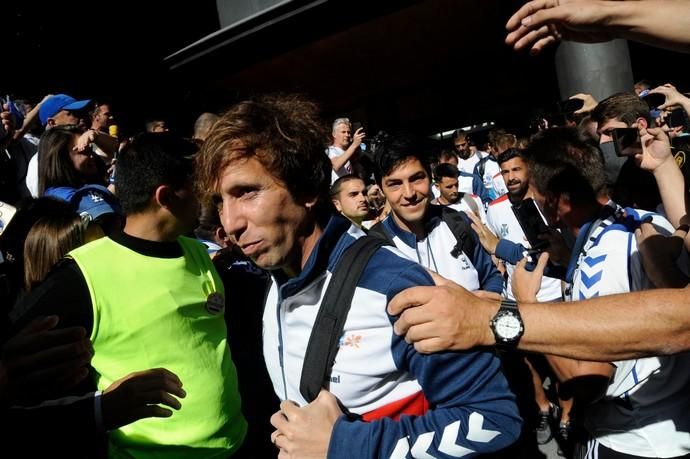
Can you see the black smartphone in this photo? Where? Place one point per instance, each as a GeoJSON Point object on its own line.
{"type": "Point", "coordinates": [532, 223]}
{"type": "Point", "coordinates": [570, 105]}
{"type": "Point", "coordinates": [678, 118]}
{"type": "Point", "coordinates": [654, 99]}
{"type": "Point", "coordinates": [355, 126]}
{"type": "Point", "coordinates": [626, 141]}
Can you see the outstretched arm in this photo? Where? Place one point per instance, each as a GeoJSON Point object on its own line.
{"type": "Point", "coordinates": [540, 23]}
{"type": "Point", "coordinates": [656, 322]}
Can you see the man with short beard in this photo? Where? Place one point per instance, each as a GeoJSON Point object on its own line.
{"type": "Point", "coordinates": [511, 245]}
{"type": "Point", "coordinates": [348, 196]}
{"type": "Point", "coordinates": [510, 249]}
{"type": "Point", "coordinates": [446, 182]}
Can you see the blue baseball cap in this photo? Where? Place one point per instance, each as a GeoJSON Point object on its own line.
{"type": "Point", "coordinates": [53, 104]}
{"type": "Point", "coordinates": [95, 201]}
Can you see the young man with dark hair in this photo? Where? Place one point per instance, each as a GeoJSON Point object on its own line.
{"type": "Point", "coordinates": [348, 195]}
{"type": "Point", "coordinates": [621, 110]}
{"type": "Point", "coordinates": [263, 163]}
{"type": "Point", "coordinates": [418, 229]}
{"type": "Point", "coordinates": [446, 181]}
{"type": "Point", "coordinates": [467, 181]}
{"type": "Point", "coordinates": [149, 297]}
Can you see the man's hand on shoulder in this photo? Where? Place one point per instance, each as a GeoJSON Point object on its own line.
{"type": "Point", "coordinates": [442, 318]}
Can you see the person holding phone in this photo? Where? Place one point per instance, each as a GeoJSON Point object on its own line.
{"type": "Point", "coordinates": [342, 151]}
{"type": "Point", "coordinates": [632, 183]}
{"type": "Point", "coordinates": [571, 189]}
{"type": "Point", "coordinates": [505, 237]}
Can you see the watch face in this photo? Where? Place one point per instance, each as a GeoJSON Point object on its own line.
{"type": "Point", "coordinates": [508, 326]}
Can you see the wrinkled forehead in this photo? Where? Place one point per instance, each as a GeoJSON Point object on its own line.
{"type": "Point", "coordinates": [250, 164]}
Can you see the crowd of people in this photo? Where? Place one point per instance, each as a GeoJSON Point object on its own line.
{"type": "Point", "coordinates": [162, 295]}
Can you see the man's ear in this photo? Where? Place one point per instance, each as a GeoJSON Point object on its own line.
{"type": "Point", "coordinates": [309, 203]}
{"type": "Point", "coordinates": [563, 204]}
{"type": "Point", "coordinates": [164, 196]}
{"type": "Point", "coordinates": [337, 205]}
{"type": "Point", "coordinates": [50, 123]}
{"type": "Point", "coordinates": [221, 236]}
{"type": "Point", "coordinates": [641, 123]}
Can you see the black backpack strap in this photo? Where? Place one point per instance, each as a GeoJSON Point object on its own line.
{"type": "Point", "coordinates": [482, 167]}
{"type": "Point", "coordinates": [330, 320]}
{"type": "Point", "coordinates": [379, 231]}
{"type": "Point", "coordinates": [462, 231]}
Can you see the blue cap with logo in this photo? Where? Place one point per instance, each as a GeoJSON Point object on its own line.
{"type": "Point", "coordinates": [95, 201]}
{"type": "Point", "coordinates": [53, 104]}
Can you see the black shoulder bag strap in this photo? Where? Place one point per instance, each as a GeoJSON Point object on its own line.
{"type": "Point", "coordinates": [462, 232]}
{"type": "Point", "coordinates": [482, 167]}
{"type": "Point", "coordinates": [330, 320]}
{"type": "Point", "coordinates": [379, 231]}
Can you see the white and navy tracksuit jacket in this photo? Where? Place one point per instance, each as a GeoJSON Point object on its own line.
{"type": "Point", "coordinates": [646, 410]}
{"type": "Point", "coordinates": [443, 405]}
{"type": "Point", "coordinates": [475, 271]}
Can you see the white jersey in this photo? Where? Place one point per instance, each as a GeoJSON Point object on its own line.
{"type": "Point", "coordinates": [465, 182]}
{"type": "Point", "coordinates": [334, 152]}
{"type": "Point", "coordinates": [467, 165]}
{"type": "Point", "coordinates": [502, 222]}
{"type": "Point", "coordinates": [646, 410]}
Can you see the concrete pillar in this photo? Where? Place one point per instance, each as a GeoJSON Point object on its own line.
{"type": "Point", "coordinates": [599, 69]}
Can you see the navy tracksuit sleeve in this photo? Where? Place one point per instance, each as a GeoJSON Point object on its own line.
{"type": "Point", "coordinates": [513, 252]}
{"type": "Point", "coordinates": [472, 411]}
{"type": "Point", "coordinates": [510, 251]}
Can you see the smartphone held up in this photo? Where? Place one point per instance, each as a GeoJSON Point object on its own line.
{"type": "Point", "coordinates": [626, 141]}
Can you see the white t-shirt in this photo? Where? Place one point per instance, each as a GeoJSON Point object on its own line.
{"type": "Point", "coordinates": [334, 152]}
{"type": "Point", "coordinates": [467, 165]}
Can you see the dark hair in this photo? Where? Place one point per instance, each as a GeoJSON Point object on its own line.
{"type": "Point", "coordinates": [447, 154]}
{"type": "Point", "coordinates": [561, 162]}
{"type": "Point", "coordinates": [503, 141]}
{"type": "Point", "coordinates": [338, 184]}
{"type": "Point", "coordinates": [622, 106]}
{"type": "Point", "coordinates": [96, 107]}
{"type": "Point", "coordinates": [55, 167]}
{"type": "Point", "coordinates": [152, 160]}
{"type": "Point", "coordinates": [445, 170]}
{"type": "Point", "coordinates": [396, 151]}
{"type": "Point", "coordinates": [509, 154]}
{"type": "Point", "coordinates": [209, 222]}
{"type": "Point", "coordinates": [284, 133]}
{"type": "Point", "coordinates": [644, 83]}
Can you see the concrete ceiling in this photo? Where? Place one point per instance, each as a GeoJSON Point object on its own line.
{"type": "Point", "coordinates": [427, 66]}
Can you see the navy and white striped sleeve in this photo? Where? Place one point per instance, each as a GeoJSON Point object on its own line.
{"type": "Point", "coordinates": [472, 411]}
